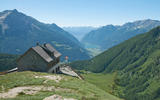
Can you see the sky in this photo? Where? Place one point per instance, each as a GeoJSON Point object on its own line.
{"type": "Point", "coordinates": [86, 12]}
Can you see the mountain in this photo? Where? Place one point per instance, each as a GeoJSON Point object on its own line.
{"type": "Point", "coordinates": [19, 32]}
{"type": "Point", "coordinates": [79, 32]}
{"type": "Point", "coordinates": [137, 62]}
{"type": "Point", "coordinates": [42, 86]}
{"type": "Point", "coordinates": [108, 36]}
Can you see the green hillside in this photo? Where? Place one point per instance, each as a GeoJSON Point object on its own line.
{"type": "Point", "coordinates": [137, 62]}
{"type": "Point", "coordinates": [7, 61]}
{"type": "Point", "coordinates": [43, 86]}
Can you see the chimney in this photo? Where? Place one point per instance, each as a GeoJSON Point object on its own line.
{"type": "Point", "coordinates": [45, 44]}
{"type": "Point", "coordinates": [37, 43]}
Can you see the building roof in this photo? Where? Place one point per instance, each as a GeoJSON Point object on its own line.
{"type": "Point", "coordinates": [42, 53]}
{"type": "Point", "coordinates": [53, 50]}
{"type": "Point", "coordinates": [47, 52]}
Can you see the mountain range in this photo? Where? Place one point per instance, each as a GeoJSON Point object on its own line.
{"type": "Point", "coordinates": [129, 69]}
{"type": "Point", "coordinates": [137, 64]}
{"type": "Point", "coordinates": [79, 32]}
{"type": "Point", "coordinates": [19, 32]}
{"type": "Point", "coordinates": [110, 35]}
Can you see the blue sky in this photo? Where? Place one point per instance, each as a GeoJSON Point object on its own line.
{"type": "Point", "coordinates": [86, 12]}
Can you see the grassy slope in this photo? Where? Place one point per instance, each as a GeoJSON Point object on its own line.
{"type": "Point", "coordinates": [125, 55]}
{"type": "Point", "coordinates": [84, 90]}
{"type": "Point", "coordinates": [138, 63]}
{"type": "Point", "coordinates": [105, 82]}
{"type": "Point", "coordinates": [98, 80]}
{"type": "Point", "coordinates": [128, 52]}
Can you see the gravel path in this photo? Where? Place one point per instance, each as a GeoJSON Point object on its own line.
{"type": "Point", "coordinates": [57, 97]}
{"type": "Point", "coordinates": [56, 78]}
{"type": "Point", "coordinates": [12, 93]}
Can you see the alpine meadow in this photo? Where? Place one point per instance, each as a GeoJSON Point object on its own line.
{"type": "Point", "coordinates": [79, 50]}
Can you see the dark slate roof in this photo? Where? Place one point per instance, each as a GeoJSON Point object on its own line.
{"type": "Point", "coordinates": [53, 50]}
{"type": "Point", "coordinates": [42, 53]}
{"type": "Point", "coordinates": [47, 52]}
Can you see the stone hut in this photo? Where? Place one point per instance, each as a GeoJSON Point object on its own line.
{"type": "Point", "coordinates": [41, 58]}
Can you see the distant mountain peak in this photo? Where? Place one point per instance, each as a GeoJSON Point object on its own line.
{"type": "Point", "coordinates": [3, 16]}
{"type": "Point", "coordinates": [15, 10]}
{"type": "Point", "coordinates": [109, 26]}
{"type": "Point", "coordinates": [110, 35]}
{"type": "Point", "coordinates": [10, 11]}
{"type": "Point", "coordinates": [6, 13]}
{"type": "Point", "coordinates": [141, 21]}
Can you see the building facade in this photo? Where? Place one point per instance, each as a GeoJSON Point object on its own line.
{"type": "Point", "coordinates": [41, 58]}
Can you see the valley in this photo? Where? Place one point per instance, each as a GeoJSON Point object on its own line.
{"type": "Point", "coordinates": [108, 36]}
{"type": "Point", "coordinates": [136, 62]}
{"type": "Point", "coordinates": [79, 32]}
{"type": "Point", "coordinates": [79, 50]}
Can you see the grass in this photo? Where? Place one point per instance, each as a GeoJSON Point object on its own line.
{"type": "Point", "coordinates": [105, 82]}
{"type": "Point", "coordinates": [79, 89]}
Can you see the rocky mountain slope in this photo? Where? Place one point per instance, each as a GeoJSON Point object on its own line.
{"type": "Point", "coordinates": [18, 32]}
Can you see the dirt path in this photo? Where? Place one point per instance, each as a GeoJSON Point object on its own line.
{"type": "Point", "coordinates": [15, 91]}
{"type": "Point", "coordinates": [12, 93]}
{"type": "Point", "coordinates": [31, 90]}
{"type": "Point", "coordinates": [56, 78]}
{"type": "Point", "coordinates": [57, 97]}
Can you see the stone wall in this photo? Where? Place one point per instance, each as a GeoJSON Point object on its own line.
{"type": "Point", "coordinates": [33, 62]}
